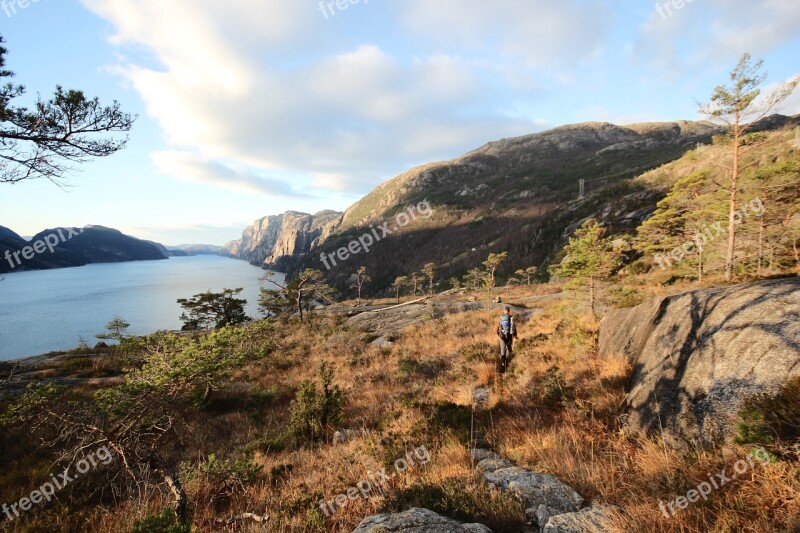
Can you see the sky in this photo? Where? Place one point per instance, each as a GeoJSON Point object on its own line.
{"type": "Point", "coordinates": [249, 108]}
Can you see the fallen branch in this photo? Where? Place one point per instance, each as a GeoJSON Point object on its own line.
{"type": "Point", "coordinates": [242, 517]}
{"type": "Point", "coordinates": [400, 305]}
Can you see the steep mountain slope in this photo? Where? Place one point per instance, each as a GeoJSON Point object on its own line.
{"type": "Point", "coordinates": [504, 197]}
{"type": "Point", "coordinates": [543, 167]}
{"type": "Point", "coordinates": [519, 195]}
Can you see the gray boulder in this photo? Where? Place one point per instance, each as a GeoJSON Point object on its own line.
{"type": "Point", "coordinates": [416, 520]}
{"type": "Point", "coordinates": [493, 465]}
{"type": "Point", "coordinates": [698, 355]}
{"type": "Point", "coordinates": [535, 489]}
{"type": "Point", "coordinates": [594, 519]}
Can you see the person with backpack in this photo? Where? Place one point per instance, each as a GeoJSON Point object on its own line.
{"type": "Point", "coordinates": [507, 332]}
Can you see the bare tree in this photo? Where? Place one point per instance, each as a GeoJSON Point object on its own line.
{"type": "Point", "coordinates": [738, 107]}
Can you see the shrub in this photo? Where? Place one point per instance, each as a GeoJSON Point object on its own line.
{"type": "Point", "coordinates": [555, 391]}
{"type": "Point", "coordinates": [479, 351]}
{"type": "Point", "coordinates": [166, 522]}
{"type": "Point", "coordinates": [771, 419]}
{"type": "Point", "coordinates": [314, 412]}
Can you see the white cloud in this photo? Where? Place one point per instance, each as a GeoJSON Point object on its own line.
{"type": "Point", "coordinates": [266, 84]}
{"type": "Point", "coordinates": [539, 33]}
{"type": "Point", "coordinates": [704, 33]}
{"type": "Point", "coordinates": [187, 166]}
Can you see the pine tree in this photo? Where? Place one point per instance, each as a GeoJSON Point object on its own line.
{"type": "Point", "coordinates": [429, 270]}
{"type": "Point", "coordinates": [492, 263]}
{"type": "Point", "coordinates": [590, 258]}
{"type": "Point", "coordinates": [679, 233]}
{"type": "Point", "coordinates": [738, 107]}
{"type": "Point", "coordinates": [399, 284]}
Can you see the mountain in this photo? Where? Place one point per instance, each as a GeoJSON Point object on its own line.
{"type": "Point", "coordinates": [196, 249]}
{"type": "Point", "coordinates": [519, 195]}
{"type": "Point", "coordinates": [280, 241]}
{"type": "Point", "coordinates": [69, 247]}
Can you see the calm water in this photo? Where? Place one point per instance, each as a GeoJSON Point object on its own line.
{"type": "Point", "coordinates": [51, 310]}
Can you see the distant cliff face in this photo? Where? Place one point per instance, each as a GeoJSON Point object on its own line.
{"type": "Point", "coordinates": [278, 241]}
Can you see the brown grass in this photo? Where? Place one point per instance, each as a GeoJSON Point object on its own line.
{"type": "Point", "coordinates": [557, 410]}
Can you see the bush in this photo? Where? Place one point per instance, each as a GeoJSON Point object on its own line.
{"type": "Point", "coordinates": [166, 522]}
{"type": "Point", "coordinates": [772, 419]}
{"type": "Point", "coordinates": [479, 351]}
{"type": "Point", "coordinates": [450, 416]}
{"type": "Point", "coordinates": [624, 297]}
{"type": "Point", "coordinates": [315, 412]}
{"type": "Point", "coordinates": [429, 368]}
{"type": "Point", "coordinates": [555, 391]}
{"type": "Point", "coordinates": [463, 500]}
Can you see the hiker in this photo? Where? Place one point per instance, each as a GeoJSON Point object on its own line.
{"type": "Point", "coordinates": [507, 332]}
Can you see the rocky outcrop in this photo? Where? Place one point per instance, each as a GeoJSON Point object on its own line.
{"type": "Point", "coordinates": [416, 520]}
{"type": "Point", "coordinates": [278, 241]}
{"type": "Point", "coordinates": [387, 321]}
{"type": "Point", "coordinates": [698, 355]}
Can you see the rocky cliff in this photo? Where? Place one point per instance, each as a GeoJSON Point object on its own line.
{"type": "Point", "coordinates": [278, 241]}
{"type": "Point", "coordinates": [698, 355]}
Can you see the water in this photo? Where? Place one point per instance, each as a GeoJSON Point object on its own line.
{"type": "Point", "coordinates": [51, 310]}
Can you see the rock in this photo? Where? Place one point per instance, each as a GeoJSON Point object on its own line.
{"type": "Point", "coordinates": [480, 396]}
{"type": "Point", "coordinates": [479, 454]}
{"type": "Point", "coordinates": [343, 436]}
{"type": "Point", "coordinates": [382, 342]}
{"type": "Point", "coordinates": [541, 514]}
{"type": "Point", "coordinates": [493, 465]}
{"type": "Point", "coordinates": [416, 520]}
{"type": "Point", "coordinates": [536, 489]}
{"type": "Point", "coordinates": [593, 519]}
{"type": "Point", "coordinates": [698, 355]}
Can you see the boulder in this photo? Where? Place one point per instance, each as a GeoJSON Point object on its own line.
{"type": "Point", "coordinates": [536, 489]}
{"type": "Point", "coordinates": [493, 465]}
{"type": "Point", "coordinates": [416, 520]}
{"type": "Point", "coordinates": [698, 355]}
{"type": "Point", "coordinates": [343, 436]}
{"type": "Point", "coordinates": [595, 519]}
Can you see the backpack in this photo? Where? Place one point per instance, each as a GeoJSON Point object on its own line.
{"type": "Point", "coordinates": [506, 326]}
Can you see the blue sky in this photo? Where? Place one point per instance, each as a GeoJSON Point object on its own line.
{"type": "Point", "coordinates": [249, 108]}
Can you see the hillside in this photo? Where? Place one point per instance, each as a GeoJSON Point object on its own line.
{"type": "Point", "coordinates": [70, 247]}
{"type": "Point", "coordinates": [495, 196]}
{"type": "Point", "coordinates": [519, 195]}
{"type": "Point", "coordinates": [554, 423]}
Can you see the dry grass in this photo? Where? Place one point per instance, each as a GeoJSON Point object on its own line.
{"type": "Point", "coordinates": [557, 411]}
